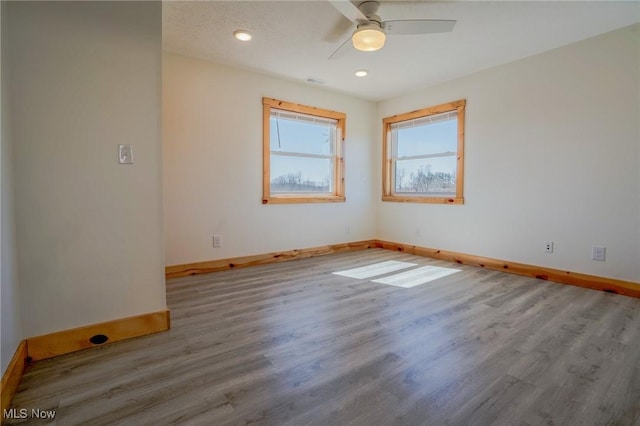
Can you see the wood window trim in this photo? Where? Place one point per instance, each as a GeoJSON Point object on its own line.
{"type": "Point", "coordinates": [341, 118]}
{"type": "Point", "coordinates": [387, 167]}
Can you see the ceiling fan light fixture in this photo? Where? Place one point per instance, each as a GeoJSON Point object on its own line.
{"type": "Point", "coordinates": [368, 38]}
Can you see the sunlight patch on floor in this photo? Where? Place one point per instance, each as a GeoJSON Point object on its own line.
{"type": "Point", "coordinates": [375, 269]}
{"type": "Point", "coordinates": [416, 276]}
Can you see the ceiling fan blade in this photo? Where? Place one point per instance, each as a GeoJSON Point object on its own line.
{"type": "Point", "coordinates": [342, 50]}
{"type": "Point", "coordinates": [349, 10]}
{"type": "Point", "coordinates": [418, 26]}
{"type": "Point", "coordinates": [341, 29]}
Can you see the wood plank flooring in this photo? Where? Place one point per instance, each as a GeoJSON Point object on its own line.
{"type": "Point", "coordinates": [293, 344]}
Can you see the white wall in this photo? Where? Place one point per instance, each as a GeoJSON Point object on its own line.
{"type": "Point", "coordinates": [10, 325]}
{"type": "Point", "coordinates": [552, 154]}
{"type": "Point", "coordinates": [212, 130]}
{"type": "Point", "coordinates": [85, 77]}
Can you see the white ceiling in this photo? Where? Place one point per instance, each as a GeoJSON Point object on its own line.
{"type": "Point", "coordinates": [293, 39]}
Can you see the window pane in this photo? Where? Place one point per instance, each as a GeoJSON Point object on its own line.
{"type": "Point", "coordinates": [303, 149]}
{"type": "Point", "coordinates": [300, 174]}
{"type": "Point", "coordinates": [432, 138]}
{"type": "Point", "coordinates": [423, 155]}
{"type": "Point", "coordinates": [300, 136]}
{"type": "Point", "coordinates": [430, 175]}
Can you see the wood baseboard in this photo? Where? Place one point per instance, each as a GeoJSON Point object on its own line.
{"type": "Point", "coordinates": [612, 285]}
{"type": "Point", "coordinates": [66, 341]}
{"type": "Point", "coordinates": [12, 376]}
{"type": "Point", "coordinates": [628, 288]}
{"type": "Point", "coordinates": [261, 259]}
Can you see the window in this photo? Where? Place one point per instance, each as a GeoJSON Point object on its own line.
{"type": "Point", "coordinates": [302, 153]}
{"type": "Point", "coordinates": [424, 155]}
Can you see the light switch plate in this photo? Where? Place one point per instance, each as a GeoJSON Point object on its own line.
{"type": "Point", "coordinates": [125, 154]}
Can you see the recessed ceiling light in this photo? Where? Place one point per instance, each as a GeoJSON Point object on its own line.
{"type": "Point", "coordinates": [242, 35]}
{"type": "Point", "coordinates": [362, 73]}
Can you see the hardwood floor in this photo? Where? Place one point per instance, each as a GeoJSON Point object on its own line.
{"type": "Point", "coordinates": [293, 344]}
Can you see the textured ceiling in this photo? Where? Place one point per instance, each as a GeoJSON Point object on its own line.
{"type": "Point", "coordinates": [293, 39]}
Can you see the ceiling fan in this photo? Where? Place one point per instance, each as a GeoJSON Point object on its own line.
{"type": "Point", "coordinates": [371, 30]}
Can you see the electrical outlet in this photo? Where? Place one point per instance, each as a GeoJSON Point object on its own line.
{"type": "Point", "coordinates": [217, 241]}
{"type": "Point", "coordinates": [598, 253]}
{"type": "Point", "coordinates": [346, 229]}
{"type": "Point", "coordinates": [548, 247]}
{"type": "Point", "coordinates": [125, 154]}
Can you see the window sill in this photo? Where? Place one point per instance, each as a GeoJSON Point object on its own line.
{"type": "Point", "coordinates": [284, 199]}
{"type": "Point", "coordinates": [428, 200]}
